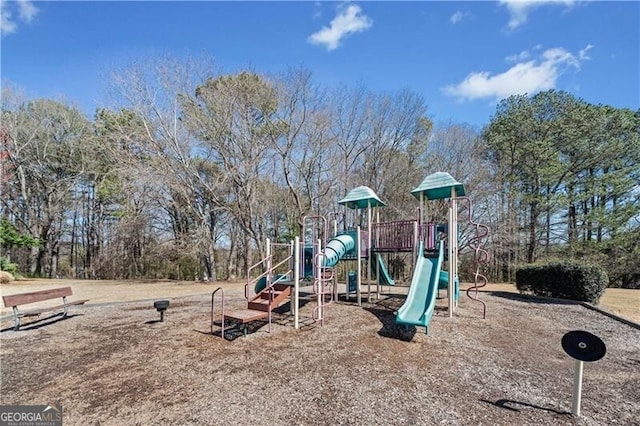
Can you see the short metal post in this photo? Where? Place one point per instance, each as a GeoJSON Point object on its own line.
{"type": "Point", "coordinates": [577, 388]}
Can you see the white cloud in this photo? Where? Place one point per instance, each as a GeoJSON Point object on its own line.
{"type": "Point", "coordinates": [348, 21]}
{"type": "Point", "coordinates": [583, 54]}
{"type": "Point", "coordinates": [7, 26]}
{"type": "Point", "coordinates": [525, 54]}
{"type": "Point", "coordinates": [519, 9]}
{"type": "Point", "coordinates": [458, 16]}
{"type": "Point", "coordinates": [26, 12]}
{"type": "Point", "coordinates": [317, 10]}
{"type": "Point", "coordinates": [529, 77]}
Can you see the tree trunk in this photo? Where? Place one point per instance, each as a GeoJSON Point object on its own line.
{"type": "Point", "coordinates": [229, 264]}
{"type": "Point", "coordinates": [533, 241]}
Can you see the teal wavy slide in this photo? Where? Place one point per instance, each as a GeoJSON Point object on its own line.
{"type": "Point", "coordinates": [385, 278]}
{"type": "Point", "coordinates": [421, 300]}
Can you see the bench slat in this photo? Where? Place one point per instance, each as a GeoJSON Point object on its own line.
{"type": "Point", "coordinates": [35, 296]}
{"type": "Point", "coordinates": [35, 312]}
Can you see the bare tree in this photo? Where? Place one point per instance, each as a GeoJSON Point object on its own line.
{"type": "Point", "coordinates": [305, 148]}
{"type": "Point", "coordinates": [46, 149]}
{"type": "Point", "coordinates": [167, 153]}
{"type": "Point", "coordinates": [232, 117]}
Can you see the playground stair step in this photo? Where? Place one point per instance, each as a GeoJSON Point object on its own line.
{"type": "Point", "coordinates": [261, 301]}
{"type": "Point", "coordinates": [246, 315]}
{"type": "Point", "coordinates": [259, 305]}
{"type": "Point", "coordinates": [266, 296]}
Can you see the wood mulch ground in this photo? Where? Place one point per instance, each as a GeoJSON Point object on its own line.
{"type": "Point", "coordinates": [115, 364]}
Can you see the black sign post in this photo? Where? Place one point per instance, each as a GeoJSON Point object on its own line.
{"type": "Point", "coordinates": [582, 346]}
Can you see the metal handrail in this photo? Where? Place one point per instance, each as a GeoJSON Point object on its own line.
{"type": "Point", "coordinates": [281, 278]}
{"type": "Point", "coordinates": [222, 309]}
{"type": "Point", "coordinates": [280, 244]}
{"type": "Point", "coordinates": [255, 280]}
{"type": "Point", "coordinates": [281, 263]}
{"type": "Point", "coordinates": [265, 273]}
{"type": "Point", "coordinates": [271, 290]}
{"type": "Point", "coordinates": [259, 263]}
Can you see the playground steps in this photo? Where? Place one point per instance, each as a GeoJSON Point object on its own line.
{"type": "Point", "coordinates": [246, 315]}
{"type": "Point", "coordinates": [261, 301]}
{"type": "Point", "coordinates": [258, 307]}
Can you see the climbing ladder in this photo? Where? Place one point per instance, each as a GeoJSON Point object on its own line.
{"type": "Point", "coordinates": [480, 257]}
{"type": "Point", "coordinates": [323, 281]}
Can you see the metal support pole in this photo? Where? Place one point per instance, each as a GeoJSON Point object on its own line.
{"type": "Point", "coordinates": [421, 211]}
{"type": "Point", "coordinates": [377, 261]}
{"type": "Point", "coordinates": [335, 276]}
{"type": "Point", "coordinates": [416, 243]}
{"type": "Point", "coordinates": [320, 287]}
{"type": "Point", "coordinates": [292, 267]}
{"type": "Point", "coordinates": [577, 388]}
{"type": "Point", "coordinates": [359, 265]}
{"type": "Point", "coordinates": [453, 240]}
{"type": "Point", "coordinates": [369, 251]}
{"type": "Point", "coordinates": [296, 283]}
{"type": "Point", "coordinates": [269, 263]}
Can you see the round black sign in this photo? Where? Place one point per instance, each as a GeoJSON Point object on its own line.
{"type": "Point", "coordinates": [161, 305]}
{"type": "Point", "coordinates": [583, 345]}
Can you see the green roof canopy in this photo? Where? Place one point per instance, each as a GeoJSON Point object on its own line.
{"type": "Point", "coordinates": [361, 197]}
{"type": "Point", "coordinates": [437, 186]}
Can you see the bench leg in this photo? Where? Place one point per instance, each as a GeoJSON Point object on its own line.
{"type": "Point", "coordinates": [64, 300]}
{"type": "Point", "coordinates": [16, 318]}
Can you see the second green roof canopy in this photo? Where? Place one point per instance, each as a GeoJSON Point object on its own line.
{"type": "Point", "coordinates": [361, 197]}
{"type": "Point", "coordinates": [437, 186]}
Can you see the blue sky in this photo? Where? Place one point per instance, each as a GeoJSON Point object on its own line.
{"type": "Point", "coordinates": [463, 57]}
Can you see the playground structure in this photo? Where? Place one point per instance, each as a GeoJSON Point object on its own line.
{"type": "Point", "coordinates": [310, 260]}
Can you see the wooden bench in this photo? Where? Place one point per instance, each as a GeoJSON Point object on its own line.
{"type": "Point", "coordinates": [16, 300]}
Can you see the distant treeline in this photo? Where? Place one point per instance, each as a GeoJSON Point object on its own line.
{"type": "Point", "coordinates": [189, 173]}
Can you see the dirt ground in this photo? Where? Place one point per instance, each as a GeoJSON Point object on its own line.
{"type": "Point", "coordinates": [113, 363]}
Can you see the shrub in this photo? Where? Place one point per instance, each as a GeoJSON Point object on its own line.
{"type": "Point", "coordinates": [564, 280]}
{"type": "Point", "coordinates": [7, 266]}
{"type": "Point", "coordinates": [5, 277]}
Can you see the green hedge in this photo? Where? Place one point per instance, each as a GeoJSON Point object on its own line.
{"type": "Point", "coordinates": [566, 280]}
{"type": "Point", "coordinates": [7, 266]}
